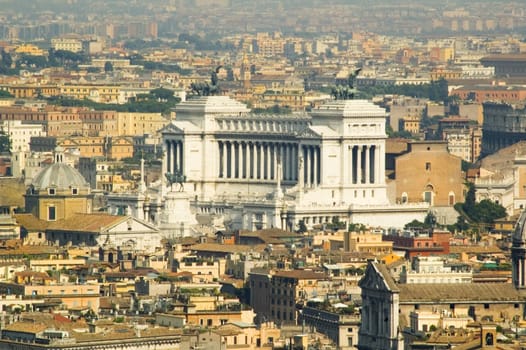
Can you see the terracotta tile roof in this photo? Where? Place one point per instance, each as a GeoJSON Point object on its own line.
{"type": "Point", "coordinates": [12, 192]}
{"type": "Point", "coordinates": [30, 250]}
{"type": "Point", "coordinates": [301, 274]}
{"type": "Point", "coordinates": [226, 248]}
{"type": "Point", "coordinates": [228, 330]}
{"type": "Point", "coordinates": [86, 222]}
{"type": "Point", "coordinates": [32, 273]}
{"type": "Point", "coordinates": [31, 222]}
{"type": "Point", "coordinates": [445, 293]}
{"type": "Point", "coordinates": [271, 235]}
{"type": "Point", "coordinates": [504, 58]}
{"type": "Point", "coordinates": [26, 327]}
{"type": "Point", "coordinates": [474, 249]}
{"type": "Point", "coordinates": [109, 302]}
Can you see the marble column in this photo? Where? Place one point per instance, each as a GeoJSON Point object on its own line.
{"type": "Point", "coordinates": [381, 160]}
{"type": "Point", "coordinates": [225, 159]}
{"type": "Point", "coordinates": [233, 168]}
{"type": "Point", "coordinates": [307, 165]}
{"type": "Point", "coordinates": [359, 162]}
{"type": "Point", "coordinates": [376, 165]}
{"type": "Point", "coordinates": [181, 157]}
{"type": "Point", "coordinates": [315, 166]}
{"type": "Point", "coordinates": [350, 166]}
{"type": "Point", "coordinates": [367, 164]}
{"type": "Point", "coordinates": [241, 160]}
{"type": "Point", "coordinates": [168, 157]}
{"type": "Point", "coordinates": [257, 161]}
{"type": "Point", "coordinates": [296, 161]}
{"type": "Point", "coordinates": [177, 156]}
{"type": "Point", "coordinates": [268, 160]}
{"type": "Point", "coordinates": [275, 157]}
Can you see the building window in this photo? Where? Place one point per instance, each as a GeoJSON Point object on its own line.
{"type": "Point", "coordinates": [74, 191]}
{"type": "Point", "coordinates": [428, 166]}
{"type": "Point", "coordinates": [428, 196]}
{"type": "Point", "coordinates": [51, 191]}
{"type": "Point", "coordinates": [51, 213]}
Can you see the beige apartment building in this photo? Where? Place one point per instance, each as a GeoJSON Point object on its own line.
{"type": "Point", "coordinates": [71, 295]}
{"type": "Point", "coordinates": [96, 92]}
{"type": "Point", "coordinates": [366, 242]}
{"type": "Point", "coordinates": [135, 124]}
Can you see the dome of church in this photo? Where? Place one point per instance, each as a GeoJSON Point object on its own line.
{"type": "Point", "coordinates": [60, 176]}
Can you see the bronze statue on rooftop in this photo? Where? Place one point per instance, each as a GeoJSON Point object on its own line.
{"type": "Point", "coordinates": [342, 92]}
{"type": "Point", "coordinates": [207, 88]}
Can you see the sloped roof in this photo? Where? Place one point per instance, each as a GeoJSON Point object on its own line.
{"type": "Point", "coordinates": [226, 248]}
{"type": "Point", "coordinates": [96, 222]}
{"type": "Point", "coordinates": [445, 293]}
{"type": "Point", "coordinates": [474, 249]}
{"type": "Point", "coordinates": [382, 269]}
{"type": "Point", "coordinates": [12, 192]}
{"type": "Point", "coordinates": [375, 273]}
{"type": "Point", "coordinates": [301, 274]}
{"type": "Point", "coordinates": [31, 222]}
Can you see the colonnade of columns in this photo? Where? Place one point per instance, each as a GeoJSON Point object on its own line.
{"type": "Point", "coordinates": [257, 160]}
{"type": "Point", "coordinates": [366, 166]}
{"type": "Point", "coordinates": [519, 270]}
{"type": "Point", "coordinates": [174, 154]}
{"type": "Point", "coordinates": [312, 167]}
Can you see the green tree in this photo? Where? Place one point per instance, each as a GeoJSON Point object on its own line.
{"type": "Point", "coordinates": [5, 142]}
{"type": "Point", "coordinates": [29, 61]}
{"type": "Point", "coordinates": [5, 94]}
{"type": "Point", "coordinates": [461, 224]}
{"type": "Point", "coordinates": [108, 67]}
{"type": "Point", "coordinates": [484, 212]}
{"type": "Point", "coordinates": [414, 224]}
{"type": "Point", "coordinates": [229, 74]}
{"type": "Point", "coordinates": [487, 211]}
{"type": "Point", "coordinates": [302, 227]}
{"type": "Point", "coordinates": [162, 94]}
{"type": "Point", "coordinates": [430, 220]}
{"type": "Point", "coordinates": [7, 60]}
{"type": "Point", "coordinates": [356, 227]}
{"type": "Point", "coordinates": [469, 203]}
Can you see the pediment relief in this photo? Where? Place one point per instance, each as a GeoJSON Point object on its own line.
{"type": "Point", "coordinates": [171, 128]}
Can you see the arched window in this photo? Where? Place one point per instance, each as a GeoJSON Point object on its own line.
{"type": "Point", "coordinates": [428, 194]}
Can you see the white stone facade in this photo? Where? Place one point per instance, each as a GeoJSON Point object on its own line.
{"type": "Point", "coordinates": [433, 269]}
{"type": "Point", "coordinates": [260, 171]}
